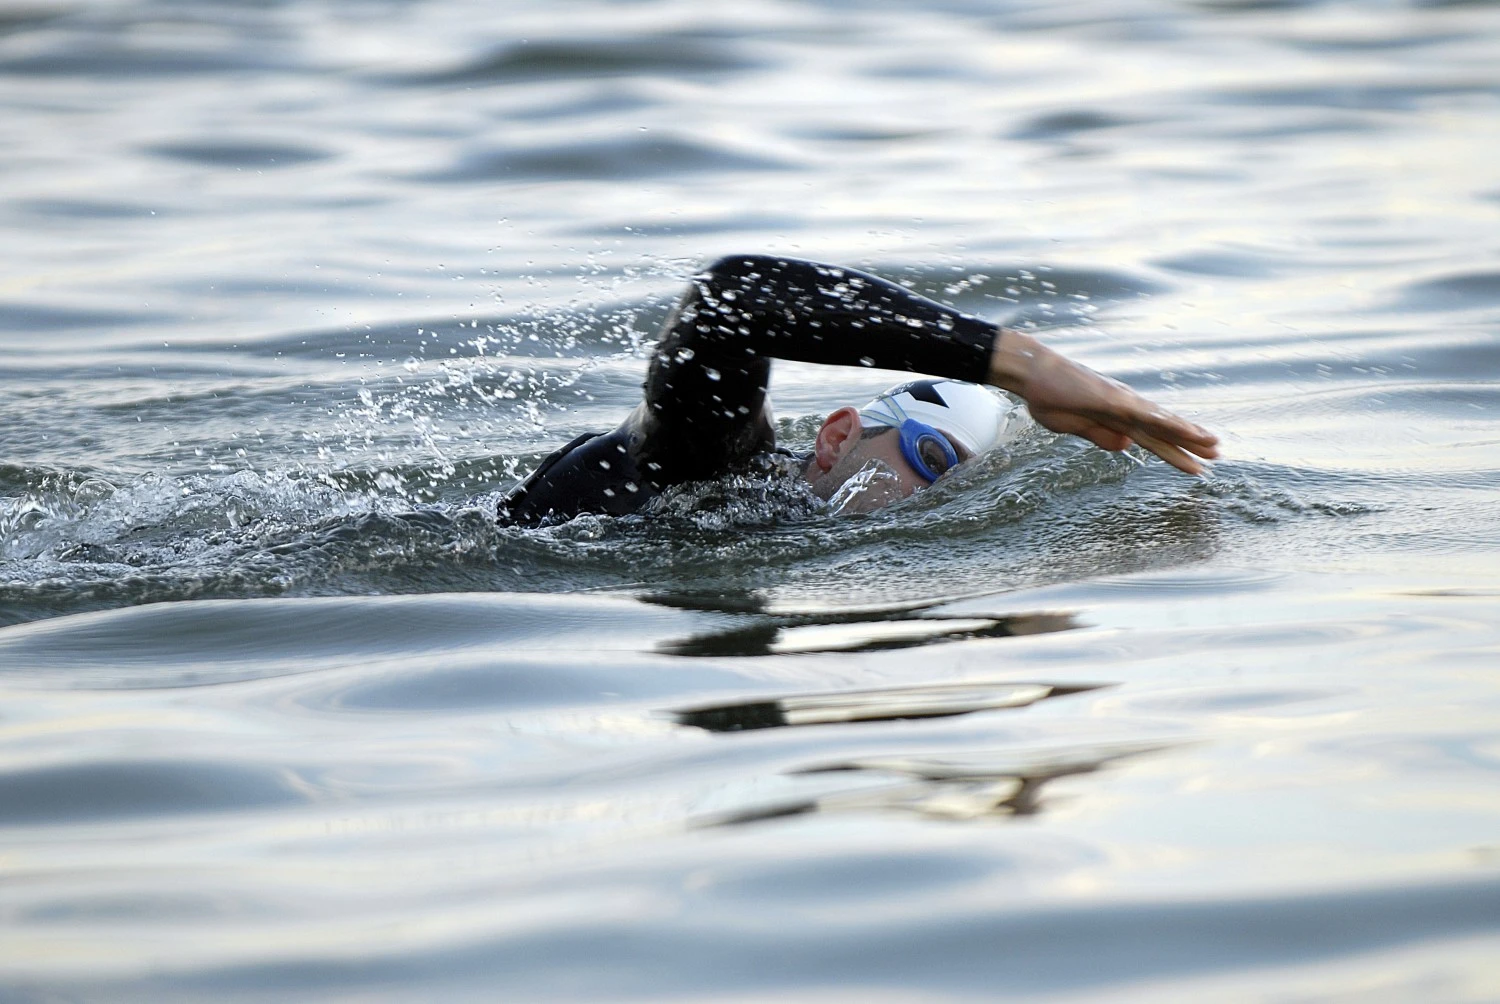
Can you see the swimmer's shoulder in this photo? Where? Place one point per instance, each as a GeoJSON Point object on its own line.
{"type": "Point", "coordinates": [594, 473]}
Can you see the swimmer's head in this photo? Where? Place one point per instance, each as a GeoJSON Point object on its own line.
{"type": "Point", "coordinates": [971, 417]}
{"type": "Point", "coordinates": [920, 430]}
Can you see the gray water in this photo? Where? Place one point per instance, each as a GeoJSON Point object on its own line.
{"type": "Point", "coordinates": [291, 292]}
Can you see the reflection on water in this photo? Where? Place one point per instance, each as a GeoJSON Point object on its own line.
{"type": "Point", "coordinates": [443, 788]}
{"type": "Point", "coordinates": [291, 292]}
{"type": "Point", "coordinates": [972, 787]}
{"type": "Point", "coordinates": [891, 704]}
{"type": "Point", "coordinates": [860, 631]}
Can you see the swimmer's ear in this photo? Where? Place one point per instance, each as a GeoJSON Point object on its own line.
{"type": "Point", "coordinates": [838, 436]}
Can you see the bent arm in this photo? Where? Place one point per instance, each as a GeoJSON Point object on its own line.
{"type": "Point", "coordinates": [704, 407]}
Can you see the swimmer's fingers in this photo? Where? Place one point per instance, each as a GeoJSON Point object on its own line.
{"type": "Point", "coordinates": [1121, 417]}
{"type": "Point", "coordinates": [1165, 427]}
{"type": "Point", "coordinates": [1174, 455]}
{"type": "Point", "coordinates": [1107, 438]}
{"type": "Point", "coordinates": [1067, 397]}
{"type": "Point", "coordinates": [1171, 437]}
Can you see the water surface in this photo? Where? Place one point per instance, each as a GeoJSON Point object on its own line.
{"type": "Point", "coordinates": [291, 292]}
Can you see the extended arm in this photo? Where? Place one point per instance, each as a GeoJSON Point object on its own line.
{"type": "Point", "coordinates": [1067, 397]}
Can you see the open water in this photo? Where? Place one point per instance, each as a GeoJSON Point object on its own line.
{"type": "Point", "coordinates": [290, 292]}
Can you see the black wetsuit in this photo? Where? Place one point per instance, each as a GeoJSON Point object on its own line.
{"type": "Point", "coordinates": [704, 411]}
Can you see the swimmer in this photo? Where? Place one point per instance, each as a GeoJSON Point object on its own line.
{"type": "Point", "coordinates": [705, 414]}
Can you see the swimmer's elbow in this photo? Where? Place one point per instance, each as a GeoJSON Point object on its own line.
{"type": "Point", "coordinates": [735, 270]}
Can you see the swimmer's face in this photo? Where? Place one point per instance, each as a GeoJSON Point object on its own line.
{"type": "Point", "coordinates": [844, 449]}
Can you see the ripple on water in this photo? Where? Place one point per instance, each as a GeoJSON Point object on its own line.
{"type": "Point", "coordinates": [1376, 95]}
{"type": "Point", "coordinates": [1205, 581]}
{"type": "Point", "coordinates": [1461, 291]}
{"type": "Point", "coordinates": [1231, 700]}
{"type": "Point", "coordinates": [484, 684]}
{"type": "Point", "coordinates": [87, 209]}
{"type": "Point", "coordinates": [99, 792]}
{"type": "Point", "coordinates": [634, 156]}
{"type": "Point", "coordinates": [1379, 40]}
{"type": "Point", "coordinates": [25, 16]}
{"type": "Point", "coordinates": [1122, 942]}
{"type": "Point", "coordinates": [177, 644]}
{"type": "Point", "coordinates": [560, 59]}
{"type": "Point", "coordinates": [1230, 262]}
{"type": "Point", "coordinates": [829, 878]}
{"type": "Point", "coordinates": [240, 153]}
{"type": "Point", "coordinates": [105, 47]}
{"type": "Point", "coordinates": [38, 317]}
{"type": "Point", "coordinates": [1066, 124]}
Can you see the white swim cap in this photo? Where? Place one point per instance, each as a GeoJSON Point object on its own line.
{"type": "Point", "coordinates": [972, 416]}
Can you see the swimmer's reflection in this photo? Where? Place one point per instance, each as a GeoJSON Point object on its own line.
{"type": "Point", "coordinates": [884, 705]}
{"type": "Point", "coordinates": [861, 632]}
{"type": "Point", "coordinates": [970, 787]}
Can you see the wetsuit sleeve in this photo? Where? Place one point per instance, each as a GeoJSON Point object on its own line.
{"type": "Point", "coordinates": [704, 407]}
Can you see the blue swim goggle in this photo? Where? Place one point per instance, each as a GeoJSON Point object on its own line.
{"type": "Point", "coordinates": [927, 450]}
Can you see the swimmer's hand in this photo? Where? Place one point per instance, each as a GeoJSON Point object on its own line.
{"type": "Point", "coordinates": [1066, 397]}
